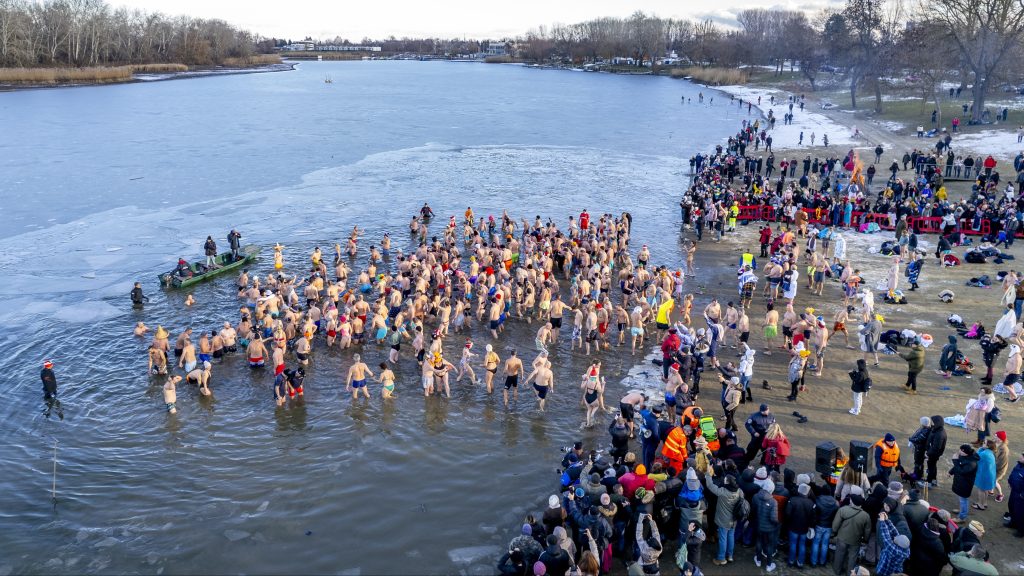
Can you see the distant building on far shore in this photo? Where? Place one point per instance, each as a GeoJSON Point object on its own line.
{"type": "Point", "coordinates": [495, 49]}
{"type": "Point", "coordinates": [344, 48]}
{"type": "Point", "coordinates": [310, 46]}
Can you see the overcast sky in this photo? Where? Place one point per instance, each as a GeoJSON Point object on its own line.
{"type": "Point", "coordinates": [321, 19]}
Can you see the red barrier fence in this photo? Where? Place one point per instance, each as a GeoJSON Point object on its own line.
{"type": "Point", "coordinates": [919, 224]}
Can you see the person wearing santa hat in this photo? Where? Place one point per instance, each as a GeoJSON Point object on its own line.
{"type": "Point", "coordinates": [49, 381]}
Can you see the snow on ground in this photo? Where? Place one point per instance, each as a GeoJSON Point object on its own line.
{"type": "Point", "coordinates": [808, 121]}
{"type": "Point", "coordinates": [891, 126]}
{"type": "Point", "coordinates": [995, 142]}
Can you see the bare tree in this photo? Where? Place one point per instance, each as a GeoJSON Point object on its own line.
{"type": "Point", "coordinates": [984, 31]}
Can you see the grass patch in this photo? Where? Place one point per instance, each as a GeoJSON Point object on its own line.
{"type": "Point", "coordinates": [43, 76]}
{"type": "Point", "coordinates": [712, 76]}
{"type": "Point", "coordinates": [157, 68]}
{"type": "Point", "coordinates": [252, 61]}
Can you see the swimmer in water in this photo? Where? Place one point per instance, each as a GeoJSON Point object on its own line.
{"type": "Point", "coordinates": [140, 329]}
{"type": "Point", "coordinates": [189, 300]}
{"type": "Point", "coordinates": [171, 394]}
{"type": "Point", "coordinates": [387, 379]}
{"type": "Point", "coordinates": [356, 378]}
{"type": "Point", "coordinates": [513, 370]}
{"type": "Point", "coordinates": [543, 380]}
{"type": "Point", "coordinates": [491, 362]}
{"type": "Point", "coordinates": [201, 376]}
{"type": "Point", "coordinates": [465, 363]}
{"type": "Point", "coordinates": [593, 387]}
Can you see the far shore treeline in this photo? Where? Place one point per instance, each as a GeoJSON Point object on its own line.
{"type": "Point", "coordinates": [90, 33]}
{"type": "Point", "coordinates": [977, 45]}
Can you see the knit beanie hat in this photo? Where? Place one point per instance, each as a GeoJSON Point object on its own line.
{"type": "Point", "coordinates": [691, 480]}
{"type": "Point", "coordinates": [895, 490]}
{"type": "Point", "coordinates": [761, 474]}
{"type": "Point", "coordinates": [553, 502]}
{"type": "Point", "coordinates": [803, 489]}
{"type": "Point", "coordinates": [803, 479]}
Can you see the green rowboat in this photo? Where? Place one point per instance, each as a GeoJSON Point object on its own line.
{"type": "Point", "coordinates": [198, 272]}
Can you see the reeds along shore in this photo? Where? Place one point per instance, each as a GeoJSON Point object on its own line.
{"type": "Point", "coordinates": [107, 74]}
{"type": "Point", "coordinates": [251, 61]}
{"type": "Point", "coordinates": [712, 76]}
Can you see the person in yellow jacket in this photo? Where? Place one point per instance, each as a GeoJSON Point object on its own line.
{"type": "Point", "coordinates": [734, 212]}
{"type": "Point", "coordinates": [664, 317]}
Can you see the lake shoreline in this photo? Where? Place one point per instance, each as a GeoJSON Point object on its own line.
{"type": "Point", "coordinates": [206, 72]}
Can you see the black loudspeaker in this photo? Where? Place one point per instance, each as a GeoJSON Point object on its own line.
{"type": "Point", "coordinates": [825, 457]}
{"type": "Point", "coordinates": [859, 455]}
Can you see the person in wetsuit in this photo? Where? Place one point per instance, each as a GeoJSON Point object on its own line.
{"type": "Point", "coordinates": [138, 299]}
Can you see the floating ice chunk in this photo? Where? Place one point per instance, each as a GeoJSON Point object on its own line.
{"type": "Point", "coordinates": [236, 535]}
{"type": "Point", "coordinates": [263, 506]}
{"type": "Point", "coordinates": [86, 312]}
{"type": "Point", "coordinates": [471, 554]}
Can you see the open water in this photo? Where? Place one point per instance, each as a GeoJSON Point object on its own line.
{"type": "Point", "coordinates": [102, 186]}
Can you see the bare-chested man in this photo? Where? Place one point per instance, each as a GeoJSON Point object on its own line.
{"type": "Point", "coordinates": [513, 370]}
{"type": "Point", "coordinates": [628, 406]}
{"type": "Point", "coordinates": [302, 348]}
{"type": "Point", "coordinates": [201, 376]}
{"type": "Point", "coordinates": [636, 327]}
{"type": "Point", "coordinates": [543, 380]}
{"type": "Point", "coordinates": [544, 336]}
{"type": "Point", "coordinates": [256, 352]}
{"type": "Point", "coordinates": [556, 310]}
{"type": "Point", "coordinates": [732, 317]}
{"type": "Point", "coordinates": [171, 394]}
{"type": "Point", "coordinates": [356, 378]}
{"type": "Point", "coordinates": [188, 355]}
{"type": "Point", "coordinates": [157, 360]}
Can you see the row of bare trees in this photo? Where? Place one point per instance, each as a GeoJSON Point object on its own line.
{"type": "Point", "coordinates": [976, 43]}
{"type": "Point", "coordinates": [91, 33]}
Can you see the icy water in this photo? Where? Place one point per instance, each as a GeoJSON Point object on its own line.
{"type": "Point", "coordinates": [107, 185]}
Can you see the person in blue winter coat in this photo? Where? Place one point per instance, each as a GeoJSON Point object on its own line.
{"type": "Point", "coordinates": [985, 478]}
{"type": "Point", "coordinates": [649, 438]}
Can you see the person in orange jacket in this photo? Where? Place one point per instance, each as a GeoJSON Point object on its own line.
{"type": "Point", "coordinates": [674, 449]}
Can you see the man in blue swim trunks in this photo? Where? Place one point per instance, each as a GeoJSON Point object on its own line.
{"type": "Point", "coordinates": [357, 377]}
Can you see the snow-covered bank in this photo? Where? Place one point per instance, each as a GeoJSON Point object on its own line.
{"type": "Point", "coordinates": [806, 121]}
{"type": "Point", "coordinates": [999, 143]}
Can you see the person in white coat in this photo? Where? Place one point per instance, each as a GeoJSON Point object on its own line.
{"type": "Point", "coordinates": [839, 248]}
{"type": "Point", "coordinates": [746, 370]}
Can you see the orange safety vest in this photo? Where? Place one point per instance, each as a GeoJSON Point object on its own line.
{"type": "Point", "coordinates": [890, 456]}
{"type": "Point", "coordinates": [675, 445]}
{"type": "Point", "coordinates": [688, 418]}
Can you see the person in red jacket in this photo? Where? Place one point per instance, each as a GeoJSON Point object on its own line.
{"type": "Point", "coordinates": [636, 479]}
{"type": "Point", "coordinates": [990, 165]}
{"type": "Point", "coordinates": [776, 447]}
{"type": "Point", "coordinates": [584, 220]}
{"type": "Point", "coordinates": [669, 346]}
{"type": "Point", "coordinates": [765, 239]}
